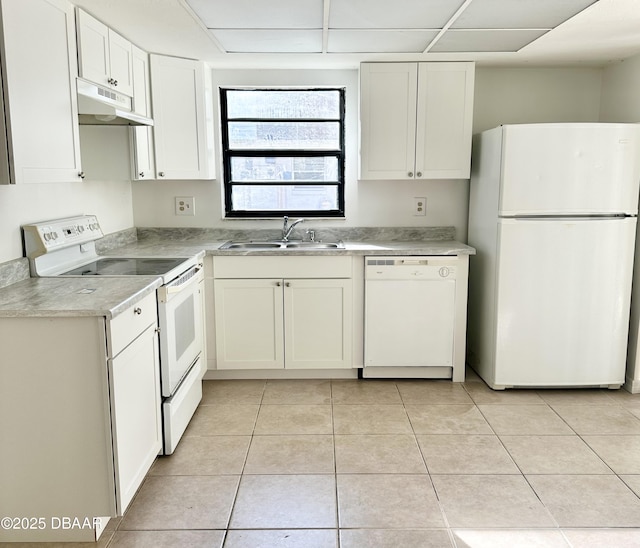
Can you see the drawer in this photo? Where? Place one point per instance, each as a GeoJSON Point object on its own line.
{"type": "Point", "coordinates": [124, 328]}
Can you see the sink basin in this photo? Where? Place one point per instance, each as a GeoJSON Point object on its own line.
{"type": "Point", "coordinates": [281, 245]}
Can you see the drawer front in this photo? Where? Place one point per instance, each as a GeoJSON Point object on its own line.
{"type": "Point", "coordinates": [124, 328]}
{"type": "Point", "coordinates": [283, 267]}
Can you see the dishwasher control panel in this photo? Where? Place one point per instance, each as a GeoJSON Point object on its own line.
{"type": "Point", "coordinates": [410, 268]}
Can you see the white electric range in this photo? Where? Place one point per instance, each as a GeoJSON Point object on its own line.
{"type": "Point", "coordinates": [67, 247]}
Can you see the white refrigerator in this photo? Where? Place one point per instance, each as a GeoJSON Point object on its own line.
{"type": "Point", "coordinates": [552, 215]}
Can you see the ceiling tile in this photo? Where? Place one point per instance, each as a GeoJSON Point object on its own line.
{"type": "Point", "coordinates": [249, 14]}
{"type": "Point", "coordinates": [269, 41]}
{"type": "Point", "coordinates": [485, 40]}
{"type": "Point", "coordinates": [399, 14]}
{"type": "Point", "coordinates": [518, 14]}
{"type": "Point", "coordinates": [372, 41]}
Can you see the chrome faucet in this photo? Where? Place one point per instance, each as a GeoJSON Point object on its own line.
{"type": "Point", "coordinates": [288, 228]}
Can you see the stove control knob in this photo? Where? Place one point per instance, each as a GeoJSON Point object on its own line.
{"type": "Point", "coordinates": [444, 272]}
{"type": "Point", "coordinates": [47, 236]}
{"type": "Point", "coordinates": [80, 229]}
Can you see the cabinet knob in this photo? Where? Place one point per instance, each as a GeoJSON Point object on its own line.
{"type": "Point", "coordinates": [141, 174]}
{"type": "Point", "coordinates": [410, 174]}
{"type": "Point", "coordinates": [81, 174]}
{"type": "Point", "coordinates": [137, 311]}
{"type": "Point", "coordinates": [419, 174]}
{"type": "Point", "coordinates": [278, 284]}
{"type": "Point", "coordinates": [161, 174]}
{"type": "Point", "coordinates": [287, 284]}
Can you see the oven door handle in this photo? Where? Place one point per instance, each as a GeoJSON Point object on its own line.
{"type": "Point", "coordinates": [182, 283]}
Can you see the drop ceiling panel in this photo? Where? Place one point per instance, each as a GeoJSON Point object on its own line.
{"type": "Point", "coordinates": [518, 14]}
{"type": "Point", "coordinates": [249, 14]}
{"type": "Point", "coordinates": [269, 41]}
{"type": "Point", "coordinates": [372, 41]}
{"type": "Point", "coordinates": [485, 40]}
{"type": "Point", "coordinates": [386, 14]}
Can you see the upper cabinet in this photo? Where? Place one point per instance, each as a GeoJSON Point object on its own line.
{"type": "Point", "coordinates": [141, 136]}
{"type": "Point", "coordinates": [415, 120]}
{"type": "Point", "coordinates": [39, 70]}
{"type": "Point", "coordinates": [105, 57]}
{"type": "Point", "coordinates": [181, 94]}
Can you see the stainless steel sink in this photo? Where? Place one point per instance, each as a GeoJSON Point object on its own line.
{"type": "Point", "coordinates": [282, 245]}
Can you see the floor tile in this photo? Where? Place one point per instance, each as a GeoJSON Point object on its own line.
{"type": "Point", "coordinates": [466, 454]}
{"type": "Point", "coordinates": [378, 454]}
{"type": "Point", "coordinates": [294, 419]}
{"type": "Point", "coordinates": [285, 501]}
{"type": "Point", "coordinates": [297, 391]}
{"type": "Point", "coordinates": [524, 420]}
{"type": "Point", "coordinates": [235, 391]}
{"type": "Point", "coordinates": [282, 538]}
{"type": "Point", "coordinates": [167, 539]}
{"type": "Point", "coordinates": [633, 482]}
{"type": "Point", "coordinates": [291, 454]}
{"type": "Point", "coordinates": [447, 419]}
{"type": "Point", "coordinates": [371, 419]}
{"type": "Point", "coordinates": [576, 396]}
{"type": "Point", "coordinates": [430, 392]}
{"type": "Point", "coordinates": [224, 419]}
{"type": "Point", "coordinates": [490, 501]}
{"type": "Point", "coordinates": [553, 455]}
{"type": "Point", "coordinates": [393, 501]}
{"type": "Point", "coordinates": [481, 394]}
{"type": "Point", "coordinates": [182, 502]}
{"type": "Point", "coordinates": [203, 456]}
{"type": "Point", "coordinates": [368, 391]}
{"type": "Point", "coordinates": [395, 538]}
{"type": "Point", "coordinates": [621, 453]}
{"type": "Point", "coordinates": [516, 538]}
{"type": "Point", "coordinates": [587, 501]}
{"type": "Point", "coordinates": [603, 538]}
{"type": "Point", "coordinates": [599, 419]}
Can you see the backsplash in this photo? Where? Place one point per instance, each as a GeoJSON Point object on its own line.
{"type": "Point", "coordinates": [355, 234]}
{"type": "Point", "coordinates": [14, 271]}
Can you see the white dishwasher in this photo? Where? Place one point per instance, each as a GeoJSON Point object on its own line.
{"type": "Point", "coordinates": [410, 315]}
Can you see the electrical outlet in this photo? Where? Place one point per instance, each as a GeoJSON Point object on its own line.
{"type": "Point", "coordinates": [419, 206]}
{"type": "Point", "coordinates": [185, 205]}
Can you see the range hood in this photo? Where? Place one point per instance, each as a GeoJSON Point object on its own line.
{"type": "Point", "coordinates": [98, 106]}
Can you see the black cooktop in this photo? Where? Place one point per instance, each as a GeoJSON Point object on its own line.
{"type": "Point", "coordinates": [114, 266]}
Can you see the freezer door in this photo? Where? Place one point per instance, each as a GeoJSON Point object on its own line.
{"type": "Point", "coordinates": [563, 294]}
{"type": "Point", "coordinates": [568, 169]}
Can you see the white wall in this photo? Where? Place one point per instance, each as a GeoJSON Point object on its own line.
{"type": "Point", "coordinates": [105, 192]}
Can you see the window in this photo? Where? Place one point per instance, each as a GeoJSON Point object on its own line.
{"type": "Point", "coordinates": [283, 152]}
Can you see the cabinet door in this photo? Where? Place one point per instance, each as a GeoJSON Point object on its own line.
{"type": "Point", "coordinates": [135, 414]}
{"type": "Point", "coordinates": [249, 324]}
{"type": "Point", "coordinates": [141, 137]}
{"type": "Point", "coordinates": [120, 64]}
{"type": "Point", "coordinates": [388, 120]}
{"type": "Point", "coordinates": [182, 125]}
{"type": "Point", "coordinates": [444, 118]}
{"type": "Point", "coordinates": [44, 141]}
{"type": "Point", "coordinates": [93, 49]}
{"type": "Point", "coordinates": [317, 323]}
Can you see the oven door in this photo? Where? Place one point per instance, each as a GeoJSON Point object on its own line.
{"type": "Point", "coordinates": [180, 317]}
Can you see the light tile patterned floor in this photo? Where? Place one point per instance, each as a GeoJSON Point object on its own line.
{"type": "Point", "coordinates": [376, 463]}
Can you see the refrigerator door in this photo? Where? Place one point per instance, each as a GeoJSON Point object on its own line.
{"type": "Point", "coordinates": [563, 293]}
{"type": "Point", "coordinates": [570, 169]}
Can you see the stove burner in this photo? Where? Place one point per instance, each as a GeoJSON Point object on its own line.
{"type": "Point", "coordinates": [111, 266]}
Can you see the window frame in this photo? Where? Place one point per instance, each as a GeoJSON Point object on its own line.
{"type": "Point", "coordinates": [228, 154]}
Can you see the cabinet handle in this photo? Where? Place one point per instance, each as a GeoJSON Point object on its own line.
{"type": "Point", "coordinates": [115, 82]}
{"type": "Point", "coordinates": [419, 174]}
{"type": "Point", "coordinates": [410, 174]}
{"type": "Point", "coordinates": [161, 174]}
{"type": "Point", "coordinates": [81, 174]}
{"type": "Point", "coordinates": [112, 81]}
{"type": "Point", "coordinates": [141, 174]}
{"type": "Point", "coordinates": [287, 284]}
{"type": "Point", "coordinates": [137, 311]}
{"type": "Point", "coordinates": [278, 284]}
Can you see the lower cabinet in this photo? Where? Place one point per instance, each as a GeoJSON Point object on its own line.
{"type": "Point", "coordinates": [80, 420]}
{"type": "Point", "coordinates": [292, 322]}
